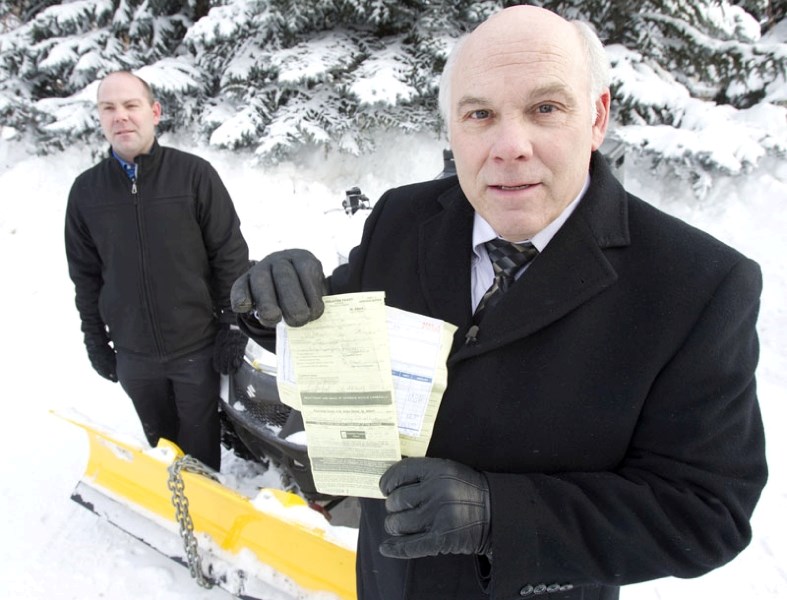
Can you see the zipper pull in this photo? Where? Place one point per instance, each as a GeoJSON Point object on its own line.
{"type": "Point", "coordinates": [134, 187]}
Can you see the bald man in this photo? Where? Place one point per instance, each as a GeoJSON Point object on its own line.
{"type": "Point", "coordinates": [600, 425]}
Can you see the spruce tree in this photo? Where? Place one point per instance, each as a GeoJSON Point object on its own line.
{"type": "Point", "coordinates": [685, 75]}
{"type": "Point", "coordinates": [272, 75]}
{"type": "Point", "coordinates": [56, 51]}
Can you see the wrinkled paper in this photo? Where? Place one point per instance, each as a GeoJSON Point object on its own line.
{"type": "Point", "coordinates": [368, 380]}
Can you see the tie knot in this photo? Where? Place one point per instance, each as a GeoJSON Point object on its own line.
{"type": "Point", "coordinates": [507, 257]}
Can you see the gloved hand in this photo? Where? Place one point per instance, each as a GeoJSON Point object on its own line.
{"type": "Point", "coordinates": [289, 283]}
{"type": "Point", "coordinates": [435, 506]}
{"type": "Point", "coordinates": [102, 357]}
{"type": "Point", "coordinates": [228, 349]}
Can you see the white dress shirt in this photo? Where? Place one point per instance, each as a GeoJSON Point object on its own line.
{"type": "Point", "coordinates": [481, 273]}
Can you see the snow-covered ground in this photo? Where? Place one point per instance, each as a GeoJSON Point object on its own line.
{"type": "Point", "coordinates": [52, 548]}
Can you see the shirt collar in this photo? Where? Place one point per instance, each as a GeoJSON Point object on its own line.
{"type": "Point", "coordinates": [129, 168]}
{"type": "Point", "coordinates": [483, 232]}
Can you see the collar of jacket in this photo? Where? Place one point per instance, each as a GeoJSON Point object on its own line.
{"type": "Point", "coordinates": [571, 270]}
{"type": "Point", "coordinates": [154, 152]}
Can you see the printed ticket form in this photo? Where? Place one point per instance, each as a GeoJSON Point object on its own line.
{"type": "Point", "coordinates": [368, 380]}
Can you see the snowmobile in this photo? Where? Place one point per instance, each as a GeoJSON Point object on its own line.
{"type": "Point", "coordinates": [267, 429]}
{"type": "Point", "coordinates": [285, 542]}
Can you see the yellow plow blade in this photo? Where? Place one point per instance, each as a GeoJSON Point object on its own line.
{"type": "Point", "coordinates": [137, 478]}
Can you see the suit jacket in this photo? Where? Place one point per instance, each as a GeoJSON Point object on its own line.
{"type": "Point", "coordinates": [609, 397]}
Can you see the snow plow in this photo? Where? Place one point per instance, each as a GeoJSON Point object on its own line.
{"type": "Point", "coordinates": [271, 545]}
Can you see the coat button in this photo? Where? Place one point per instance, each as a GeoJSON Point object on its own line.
{"type": "Point", "coordinates": [540, 589]}
{"type": "Point", "coordinates": [526, 591]}
{"type": "Point", "coordinates": [566, 588]}
{"type": "Point", "coordinates": [551, 589]}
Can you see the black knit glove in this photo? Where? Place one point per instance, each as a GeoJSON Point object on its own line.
{"type": "Point", "coordinates": [288, 284]}
{"type": "Point", "coordinates": [229, 349]}
{"type": "Point", "coordinates": [102, 356]}
{"type": "Point", "coordinates": [435, 506]}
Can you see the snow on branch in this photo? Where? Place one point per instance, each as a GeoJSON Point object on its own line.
{"type": "Point", "coordinates": [275, 75]}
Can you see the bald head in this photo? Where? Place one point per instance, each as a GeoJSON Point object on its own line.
{"type": "Point", "coordinates": [522, 29]}
{"type": "Point", "coordinates": [523, 22]}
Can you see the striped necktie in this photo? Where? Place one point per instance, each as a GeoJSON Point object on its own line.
{"type": "Point", "coordinates": [507, 259]}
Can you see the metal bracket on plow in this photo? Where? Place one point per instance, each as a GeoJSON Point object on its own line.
{"type": "Point", "coordinates": [242, 548]}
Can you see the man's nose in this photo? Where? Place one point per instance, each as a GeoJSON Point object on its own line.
{"type": "Point", "coordinates": [512, 140]}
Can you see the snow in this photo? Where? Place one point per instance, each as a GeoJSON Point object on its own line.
{"type": "Point", "coordinates": [721, 136]}
{"type": "Point", "coordinates": [313, 59]}
{"type": "Point", "coordinates": [171, 76]}
{"type": "Point", "coordinates": [222, 22]}
{"type": "Point", "coordinates": [61, 53]}
{"type": "Point", "coordinates": [53, 548]}
{"type": "Point", "coordinates": [381, 80]}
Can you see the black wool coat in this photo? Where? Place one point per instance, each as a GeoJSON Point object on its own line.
{"type": "Point", "coordinates": [609, 397]}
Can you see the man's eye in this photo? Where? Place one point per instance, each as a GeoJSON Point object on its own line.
{"type": "Point", "coordinates": [545, 109]}
{"type": "Point", "coordinates": [480, 114]}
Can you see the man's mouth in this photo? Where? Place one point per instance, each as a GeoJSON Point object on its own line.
{"type": "Point", "coordinates": [512, 188]}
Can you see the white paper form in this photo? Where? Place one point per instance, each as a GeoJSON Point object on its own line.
{"type": "Point", "coordinates": [342, 373]}
{"type": "Point", "coordinates": [363, 375]}
{"type": "Point", "coordinates": [285, 371]}
{"type": "Point", "coordinates": [419, 350]}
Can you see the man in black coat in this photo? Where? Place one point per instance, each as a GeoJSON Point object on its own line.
{"type": "Point", "coordinates": [600, 426]}
{"type": "Point", "coordinates": [154, 245]}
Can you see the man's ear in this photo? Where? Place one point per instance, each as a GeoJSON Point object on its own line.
{"type": "Point", "coordinates": [156, 112]}
{"type": "Point", "coordinates": [601, 121]}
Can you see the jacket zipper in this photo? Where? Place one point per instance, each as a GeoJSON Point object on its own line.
{"type": "Point", "coordinates": [157, 341]}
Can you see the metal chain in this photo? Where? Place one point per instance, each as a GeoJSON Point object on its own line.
{"type": "Point", "coordinates": [182, 516]}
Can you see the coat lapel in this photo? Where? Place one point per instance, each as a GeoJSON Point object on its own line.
{"type": "Point", "coordinates": [444, 258]}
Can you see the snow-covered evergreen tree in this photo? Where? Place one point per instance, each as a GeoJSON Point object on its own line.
{"type": "Point", "coordinates": [272, 75]}
{"type": "Point", "coordinates": [686, 76]}
{"type": "Point", "coordinates": [287, 73]}
{"type": "Point", "coordinates": [51, 59]}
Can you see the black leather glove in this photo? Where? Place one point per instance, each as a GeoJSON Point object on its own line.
{"type": "Point", "coordinates": [435, 506]}
{"type": "Point", "coordinates": [289, 283]}
{"type": "Point", "coordinates": [102, 357]}
{"type": "Point", "coordinates": [228, 349]}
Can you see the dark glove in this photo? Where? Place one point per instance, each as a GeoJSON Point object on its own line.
{"type": "Point", "coordinates": [229, 349]}
{"type": "Point", "coordinates": [102, 357]}
{"type": "Point", "coordinates": [435, 506]}
{"type": "Point", "coordinates": [289, 283]}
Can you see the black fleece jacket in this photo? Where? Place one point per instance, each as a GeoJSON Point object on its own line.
{"type": "Point", "coordinates": [153, 260]}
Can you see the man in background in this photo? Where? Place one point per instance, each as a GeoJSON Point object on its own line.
{"type": "Point", "coordinates": [600, 426]}
{"type": "Point", "coordinates": [153, 245]}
